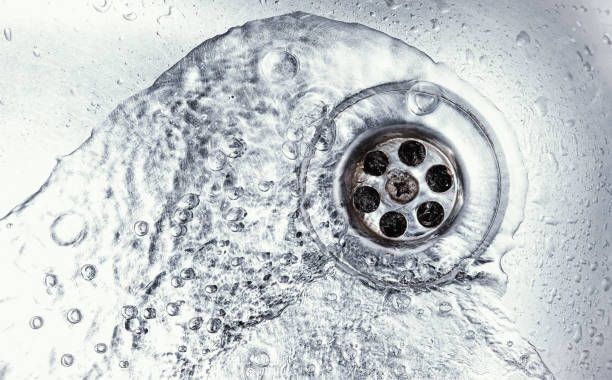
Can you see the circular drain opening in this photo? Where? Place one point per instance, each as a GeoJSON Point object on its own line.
{"type": "Point", "coordinates": [401, 185]}
{"type": "Point", "coordinates": [407, 183]}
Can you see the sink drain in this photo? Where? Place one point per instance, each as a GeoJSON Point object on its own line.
{"type": "Point", "coordinates": [406, 183]}
{"type": "Point", "coordinates": [404, 189]}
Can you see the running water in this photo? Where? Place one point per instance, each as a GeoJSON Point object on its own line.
{"type": "Point", "coordinates": [189, 236]}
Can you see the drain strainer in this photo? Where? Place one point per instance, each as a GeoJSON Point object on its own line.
{"type": "Point", "coordinates": [401, 187]}
{"type": "Point", "coordinates": [406, 184]}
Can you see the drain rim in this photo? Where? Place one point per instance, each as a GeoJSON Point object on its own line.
{"type": "Point", "coordinates": [491, 137]}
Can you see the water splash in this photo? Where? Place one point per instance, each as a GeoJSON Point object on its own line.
{"type": "Point", "coordinates": [189, 202]}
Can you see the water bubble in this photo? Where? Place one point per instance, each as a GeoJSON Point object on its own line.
{"type": "Point", "coordinates": [182, 348]}
{"type": "Point", "coordinates": [523, 38]}
{"type": "Point", "coordinates": [8, 34]}
{"type": "Point", "coordinates": [182, 216]}
{"type": "Point", "coordinates": [178, 230]}
{"type": "Point", "coordinates": [606, 284]}
{"type": "Point", "coordinates": [50, 280]}
{"type": "Point", "coordinates": [188, 201]}
{"type": "Point", "coordinates": [195, 323]}
{"type": "Point", "coordinates": [259, 358]}
{"type": "Point", "coordinates": [36, 322]}
{"type": "Point", "coordinates": [423, 98]}
{"type": "Point", "coordinates": [141, 228]}
{"type": "Point", "coordinates": [172, 309]}
{"type": "Point", "coordinates": [214, 324]}
{"type": "Point", "coordinates": [88, 272]}
{"type": "Point", "coordinates": [129, 311]}
{"type": "Point", "coordinates": [67, 360]}
{"type": "Point", "coordinates": [606, 39]}
{"type": "Point", "coordinates": [216, 160]}
{"type": "Point", "coordinates": [74, 316]}
{"type": "Point", "coordinates": [290, 150]}
{"type": "Point", "coordinates": [265, 186]}
{"type": "Point", "coordinates": [177, 282]}
{"type": "Point", "coordinates": [234, 214]}
{"type": "Point", "coordinates": [235, 193]}
{"type": "Point", "coordinates": [188, 274]}
{"type": "Point", "coordinates": [68, 229]}
{"type": "Point", "coordinates": [100, 348]}
{"type": "Point", "coordinates": [124, 364]}
{"type": "Point", "coordinates": [149, 313]}
{"type": "Point", "coordinates": [399, 302]}
{"type": "Point", "coordinates": [445, 307]}
{"type": "Point", "coordinates": [279, 65]}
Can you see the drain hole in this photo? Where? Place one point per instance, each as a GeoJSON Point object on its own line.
{"type": "Point", "coordinates": [393, 224]}
{"type": "Point", "coordinates": [366, 199]}
{"type": "Point", "coordinates": [430, 214]}
{"type": "Point", "coordinates": [375, 163]}
{"type": "Point", "coordinates": [439, 178]}
{"type": "Point", "coordinates": [401, 186]}
{"type": "Point", "coordinates": [411, 152]}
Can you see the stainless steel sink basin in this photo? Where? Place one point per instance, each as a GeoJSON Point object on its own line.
{"type": "Point", "coordinates": [545, 66]}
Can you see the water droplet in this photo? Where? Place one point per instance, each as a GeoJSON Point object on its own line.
{"type": "Point", "coordinates": [177, 282]}
{"type": "Point", "coordinates": [235, 193]}
{"type": "Point", "coordinates": [131, 16]}
{"type": "Point", "coordinates": [74, 315]}
{"type": "Point", "coordinates": [279, 65]}
{"type": "Point", "coordinates": [50, 280]}
{"type": "Point", "coordinates": [265, 186]}
{"type": "Point", "coordinates": [195, 323]}
{"type": "Point", "coordinates": [100, 348]}
{"type": "Point", "coordinates": [36, 322]}
{"type": "Point", "coordinates": [541, 105]}
{"type": "Point", "coordinates": [290, 150]}
{"type": "Point", "coordinates": [133, 325]}
{"type": "Point", "coordinates": [445, 307]}
{"type": "Point", "coordinates": [8, 34]}
{"type": "Point", "coordinates": [149, 313]}
{"type": "Point", "coordinates": [214, 324]}
{"type": "Point", "coordinates": [67, 360]}
{"type": "Point", "coordinates": [423, 98]}
{"type": "Point", "coordinates": [606, 39]}
{"type": "Point", "coordinates": [210, 289]}
{"type": "Point", "coordinates": [172, 309]}
{"type": "Point", "coordinates": [189, 201]}
{"type": "Point", "coordinates": [102, 5]}
{"type": "Point", "coordinates": [188, 274]}
{"type": "Point", "coordinates": [399, 302]}
{"type": "Point", "coordinates": [216, 160]}
{"type": "Point", "coordinates": [523, 38]}
{"type": "Point", "coordinates": [124, 364]}
{"type": "Point", "coordinates": [182, 216]}
{"type": "Point", "coordinates": [178, 230]}
{"type": "Point", "coordinates": [234, 214]}
{"type": "Point", "coordinates": [141, 228]}
{"type": "Point", "coordinates": [606, 284]}
{"type": "Point", "coordinates": [68, 229]}
{"type": "Point", "coordinates": [88, 272]}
